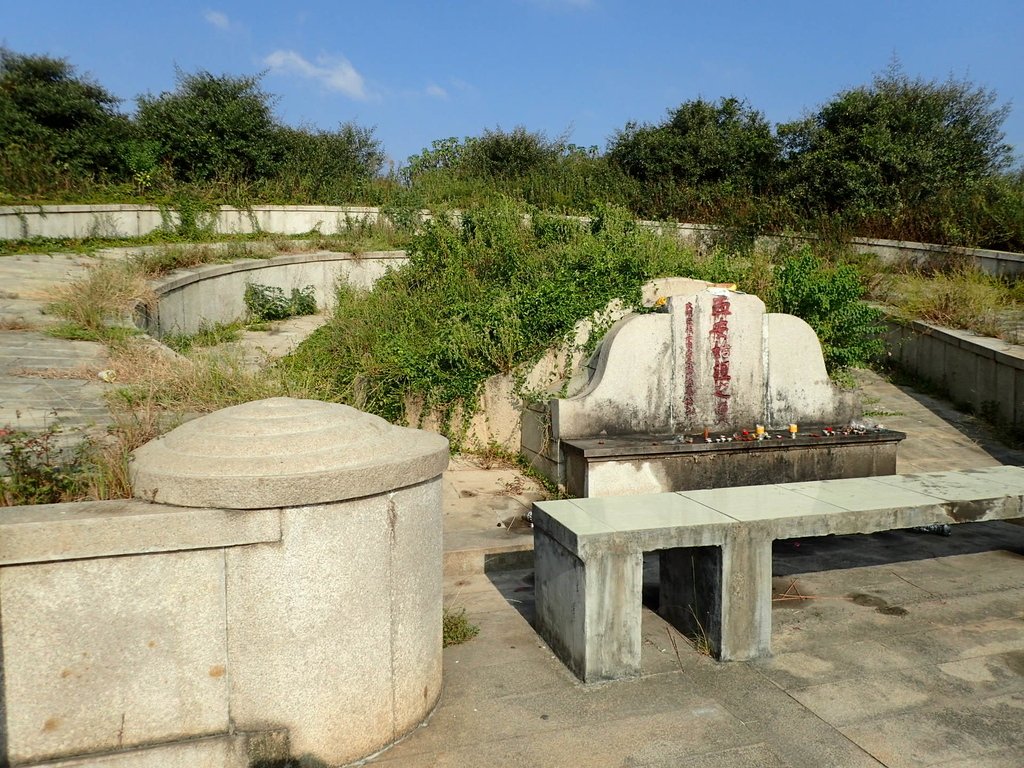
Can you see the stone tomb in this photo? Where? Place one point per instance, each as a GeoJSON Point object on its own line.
{"type": "Point", "coordinates": [672, 393]}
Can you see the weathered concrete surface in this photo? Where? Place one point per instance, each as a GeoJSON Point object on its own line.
{"type": "Point", "coordinates": [716, 361]}
{"type": "Point", "coordinates": [110, 653]}
{"type": "Point", "coordinates": [214, 293]}
{"type": "Point", "coordinates": [632, 464]}
{"type": "Point", "coordinates": [984, 373]}
{"type": "Point", "coordinates": [126, 220]}
{"type": "Point", "coordinates": [641, 345]}
{"type": "Point", "coordinates": [797, 386]}
{"type": "Point", "coordinates": [824, 699]}
{"type": "Point", "coordinates": [283, 452]}
{"type": "Point", "coordinates": [485, 507]}
{"type": "Point", "coordinates": [710, 363]}
{"type": "Point", "coordinates": [508, 701]}
{"type": "Point", "coordinates": [591, 614]}
{"type": "Point", "coordinates": [212, 752]}
{"type": "Point", "coordinates": [346, 655]}
{"type": "Point", "coordinates": [73, 531]}
{"type": "Point", "coordinates": [600, 535]}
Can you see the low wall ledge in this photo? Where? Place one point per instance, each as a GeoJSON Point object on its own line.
{"type": "Point", "coordinates": [182, 277]}
{"type": "Point", "coordinates": [91, 529]}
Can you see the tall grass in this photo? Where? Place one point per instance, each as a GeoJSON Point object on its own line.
{"type": "Point", "coordinates": [100, 304]}
{"type": "Point", "coordinates": [962, 297]}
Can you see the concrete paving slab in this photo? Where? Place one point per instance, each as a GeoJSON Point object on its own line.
{"type": "Point", "coordinates": [953, 732]}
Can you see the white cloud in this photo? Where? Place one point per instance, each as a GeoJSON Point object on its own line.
{"type": "Point", "coordinates": [436, 91]}
{"type": "Point", "coordinates": [217, 19]}
{"type": "Point", "coordinates": [334, 73]}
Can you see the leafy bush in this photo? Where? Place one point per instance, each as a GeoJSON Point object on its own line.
{"type": "Point", "coordinates": [478, 297]}
{"type": "Point", "coordinates": [38, 470]}
{"type": "Point", "coordinates": [880, 152]}
{"type": "Point", "coordinates": [493, 291]}
{"type": "Point", "coordinates": [830, 298]}
{"type": "Point", "coordinates": [56, 127]}
{"type": "Point", "coordinates": [211, 127]}
{"type": "Point", "coordinates": [711, 150]}
{"type": "Point", "coordinates": [330, 167]}
{"type": "Point", "coordinates": [267, 302]}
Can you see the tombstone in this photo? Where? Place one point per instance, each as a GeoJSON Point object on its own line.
{"type": "Point", "coordinates": [676, 398]}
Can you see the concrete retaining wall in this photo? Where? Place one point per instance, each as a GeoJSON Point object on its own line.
{"type": "Point", "coordinates": [214, 293]}
{"type": "Point", "coordinates": [984, 373]}
{"type": "Point", "coordinates": [78, 221]}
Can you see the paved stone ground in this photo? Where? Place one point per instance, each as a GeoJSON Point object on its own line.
{"type": "Point", "coordinates": [32, 402]}
{"type": "Point", "coordinates": [900, 649]}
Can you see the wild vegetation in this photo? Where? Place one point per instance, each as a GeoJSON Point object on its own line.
{"type": "Point", "coordinates": [489, 292]}
{"type": "Point", "coordinates": [901, 157]}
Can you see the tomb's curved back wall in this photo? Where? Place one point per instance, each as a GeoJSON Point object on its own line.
{"type": "Point", "coordinates": [189, 299]}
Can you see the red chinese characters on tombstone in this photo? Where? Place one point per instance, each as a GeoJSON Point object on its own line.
{"type": "Point", "coordinates": [720, 351]}
{"type": "Point", "coordinates": [689, 387]}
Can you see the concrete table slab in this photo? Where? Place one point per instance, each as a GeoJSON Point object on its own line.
{"type": "Point", "coordinates": [715, 551]}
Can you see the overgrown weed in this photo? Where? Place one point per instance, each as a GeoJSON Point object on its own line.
{"type": "Point", "coordinates": [492, 292]}
{"type": "Point", "coordinates": [456, 627]}
{"type": "Point", "coordinates": [102, 301]}
{"type": "Point", "coordinates": [208, 335]}
{"type": "Point", "coordinates": [963, 297]}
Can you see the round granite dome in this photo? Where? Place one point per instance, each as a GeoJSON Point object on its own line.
{"type": "Point", "coordinates": [284, 452]}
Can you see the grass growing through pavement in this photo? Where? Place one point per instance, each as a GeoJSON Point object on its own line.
{"type": "Point", "coordinates": [456, 628]}
{"type": "Point", "coordinates": [98, 306]}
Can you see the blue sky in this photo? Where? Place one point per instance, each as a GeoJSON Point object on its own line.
{"type": "Point", "coordinates": [418, 71]}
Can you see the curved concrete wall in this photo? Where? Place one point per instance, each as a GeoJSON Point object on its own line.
{"type": "Point", "coordinates": [77, 221]}
{"type": "Point", "coordinates": [214, 293]}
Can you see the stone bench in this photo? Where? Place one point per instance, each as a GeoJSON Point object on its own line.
{"type": "Point", "coordinates": [715, 547]}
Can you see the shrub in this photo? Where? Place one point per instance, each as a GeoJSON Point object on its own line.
{"type": "Point", "coordinates": [211, 127]}
{"type": "Point", "coordinates": [702, 154]}
{"type": "Point", "coordinates": [38, 469]}
{"type": "Point", "coordinates": [830, 298]}
{"type": "Point", "coordinates": [57, 128]}
{"type": "Point", "coordinates": [493, 292]}
{"type": "Point", "coordinates": [266, 302]}
{"type": "Point", "coordinates": [883, 151]}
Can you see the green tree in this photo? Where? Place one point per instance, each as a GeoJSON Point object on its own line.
{"type": "Point", "coordinates": [887, 149]}
{"type": "Point", "coordinates": [56, 126]}
{"type": "Point", "coordinates": [327, 166]}
{"type": "Point", "coordinates": [712, 150]}
{"type": "Point", "coordinates": [212, 127]}
{"type": "Point", "coordinates": [497, 154]}
{"type": "Point", "coordinates": [443, 155]}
